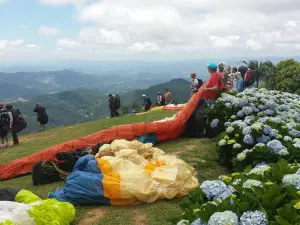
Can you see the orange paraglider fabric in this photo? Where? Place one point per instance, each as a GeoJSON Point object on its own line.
{"type": "Point", "coordinates": [165, 131]}
{"type": "Point", "coordinates": [173, 108]}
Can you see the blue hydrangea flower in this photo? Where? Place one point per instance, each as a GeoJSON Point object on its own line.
{"type": "Point", "coordinates": [228, 105]}
{"type": "Point", "coordinates": [253, 218]}
{"type": "Point", "coordinates": [198, 222]}
{"type": "Point", "coordinates": [214, 123]}
{"type": "Point", "coordinates": [287, 138]}
{"type": "Point", "coordinates": [183, 222]}
{"type": "Point", "coordinates": [292, 179]}
{"type": "Point", "coordinates": [263, 139]}
{"type": "Point", "coordinates": [267, 130]}
{"type": "Point", "coordinates": [275, 146]}
{"type": "Point", "coordinates": [269, 112]}
{"type": "Point", "coordinates": [229, 130]}
{"type": "Point", "coordinates": [216, 190]}
{"type": "Point", "coordinates": [240, 114]}
{"type": "Point", "coordinates": [248, 139]}
{"type": "Point", "coordinates": [252, 183]}
{"type": "Point", "coordinates": [247, 130]}
{"type": "Point", "coordinates": [224, 218]}
{"type": "Point", "coordinates": [274, 133]}
{"type": "Point", "coordinates": [263, 163]}
{"type": "Point", "coordinates": [297, 145]}
{"type": "Point", "coordinates": [261, 107]}
{"type": "Point", "coordinates": [247, 110]}
{"type": "Point", "coordinates": [294, 133]}
{"type": "Point", "coordinates": [213, 188]}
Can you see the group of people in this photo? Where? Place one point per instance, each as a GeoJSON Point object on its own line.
{"type": "Point", "coordinates": [235, 79]}
{"type": "Point", "coordinates": [12, 121]}
{"type": "Point", "coordinates": [222, 79]}
{"type": "Point", "coordinates": [163, 99]}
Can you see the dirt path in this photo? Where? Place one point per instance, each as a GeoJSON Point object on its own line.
{"type": "Point", "coordinates": [93, 216]}
{"type": "Point", "coordinates": [139, 218]}
{"type": "Point", "coordinates": [187, 148]}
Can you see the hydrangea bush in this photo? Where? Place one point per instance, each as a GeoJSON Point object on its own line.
{"type": "Point", "coordinates": [258, 125]}
{"type": "Point", "coordinates": [264, 195]}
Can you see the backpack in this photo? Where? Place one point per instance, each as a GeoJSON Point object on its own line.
{"type": "Point", "coordinates": [249, 78]}
{"type": "Point", "coordinates": [200, 82]}
{"type": "Point", "coordinates": [117, 102]}
{"type": "Point", "coordinates": [19, 123]}
{"type": "Point", "coordinates": [4, 118]}
{"type": "Point", "coordinates": [149, 102]}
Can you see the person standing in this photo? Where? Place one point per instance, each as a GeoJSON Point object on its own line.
{"type": "Point", "coordinates": [196, 124]}
{"type": "Point", "coordinates": [42, 117]}
{"type": "Point", "coordinates": [168, 97]}
{"type": "Point", "coordinates": [147, 103]}
{"type": "Point", "coordinates": [112, 101]}
{"type": "Point", "coordinates": [159, 99]}
{"type": "Point", "coordinates": [4, 127]}
{"type": "Point", "coordinates": [224, 74]}
{"type": "Point", "coordinates": [196, 83]}
{"type": "Point", "coordinates": [12, 124]}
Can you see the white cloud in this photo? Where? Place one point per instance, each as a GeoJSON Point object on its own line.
{"type": "Point", "coordinates": [30, 46]}
{"type": "Point", "coordinates": [224, 42]}
{"type": "Point", "coordinates": [61, 2]}
{"type": "Point", "coordinates": [3, 1]}
{"type": "Point", "coordinates": [48, 31]}
{"type": "Point", "coordinates": [144, 47]}
{"type": "Point", "coordinates": [67, 43]}
{"type": "Point", "coordinates": [101, 36]}
{"type": "Point", "coordinates": [254, 45]}
{"type": "Point", "coordinates": [180, 28]}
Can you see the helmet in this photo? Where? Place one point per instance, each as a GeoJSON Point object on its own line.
{"type": "Point", "coordinates": [144, 95]}
{"type": "Point", "coordinates": [193, 74]}
{"type": "Point", "coordinates": [9, 106]}
{"type": "Point", "coordinates": [212, 65]}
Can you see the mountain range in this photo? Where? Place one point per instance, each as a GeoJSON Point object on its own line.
{"type": "Point", "coordinates": [27, 85]}
{"type": "Point", "coordinates": [83, 105]}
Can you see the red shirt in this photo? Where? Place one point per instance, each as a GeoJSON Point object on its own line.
{"type": "Point", "coordinates": [215, 80]}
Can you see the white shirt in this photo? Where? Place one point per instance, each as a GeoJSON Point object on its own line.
{"type": "Point", "coordinates": [195, 84]}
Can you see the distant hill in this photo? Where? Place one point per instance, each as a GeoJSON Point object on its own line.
{"type": "Point", "coordinates": [66, 108]}
{"type": "Point", "coordinates": [178, 87]}
{"type": "Point", "coordinates": [31, 84]}
{"type": "Point", "coordinates": [82, 105]}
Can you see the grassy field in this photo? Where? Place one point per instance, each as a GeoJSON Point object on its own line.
{"type": "Point", "coordinates": [200, 153]}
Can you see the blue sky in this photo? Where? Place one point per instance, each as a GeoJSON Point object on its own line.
{"type": "Point", "coordinates": [49, 30]}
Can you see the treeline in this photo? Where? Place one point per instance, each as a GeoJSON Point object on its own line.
{"type": "Point", "coordinates": [283, 76]}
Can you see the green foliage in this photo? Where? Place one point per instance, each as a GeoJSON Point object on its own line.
{"type": "Point", "coordinates": [288, 76]}
{"type": "Point", "coordinates": [273, 198]}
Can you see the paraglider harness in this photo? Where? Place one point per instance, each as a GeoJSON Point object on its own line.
{"type": "Point", "coordinates": [117, 102]}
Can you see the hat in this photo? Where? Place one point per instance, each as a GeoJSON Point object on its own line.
{"type": "Point", "coordinates": [144, 95]}
{"type": "Point", "coordinates": [193, 74]}
{"type": "Point", "coordinates": [212, 65]}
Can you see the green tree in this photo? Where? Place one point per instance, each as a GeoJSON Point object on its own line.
{"type": "Point", "coordinates": [288, 76]}
{"type": "Point", "coordinates": [270, 75]}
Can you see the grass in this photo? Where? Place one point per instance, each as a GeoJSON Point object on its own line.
{"type": "Point", "coordinates": [200, 153]}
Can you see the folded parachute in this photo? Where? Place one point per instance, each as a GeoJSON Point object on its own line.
{"type": "Point", "coordinates": [126, 173]}
{"type": "Point", "coordinates": [22, 207]}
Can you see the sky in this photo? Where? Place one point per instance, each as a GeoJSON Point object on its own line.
{"type": "Point", "coordinates": [54, 30]}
